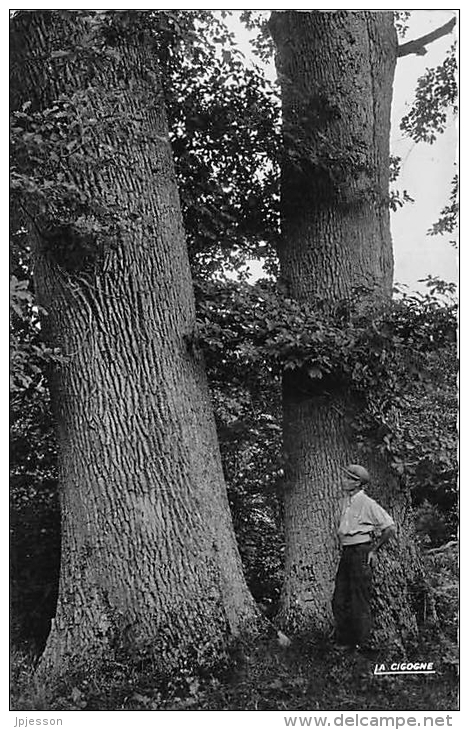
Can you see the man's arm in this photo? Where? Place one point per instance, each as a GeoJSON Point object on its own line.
{"type": "Point", "coordinates": [386, 535]}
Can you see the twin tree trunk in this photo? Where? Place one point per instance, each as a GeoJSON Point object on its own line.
{"type": "Point", "coordinates": [149, 563]}
{"type": "Point", "coordinates": [336, 70]}
{"type": "Point", "coordinates": [149, 560]}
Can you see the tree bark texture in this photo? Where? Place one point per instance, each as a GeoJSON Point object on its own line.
{"type": "Point", "coordinates": [336, 72]}
{"type": "Point", "coordinates": [149, 562]}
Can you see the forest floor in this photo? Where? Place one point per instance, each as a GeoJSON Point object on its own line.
{"type": "Point", "coordinates": [307, 676]}
{"type": "Point", "coordinates": [301, 678]}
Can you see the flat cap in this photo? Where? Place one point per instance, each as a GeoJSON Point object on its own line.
{"type": "Point", "coordinates": [355, 471]}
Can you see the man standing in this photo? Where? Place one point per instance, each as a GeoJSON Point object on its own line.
{"type": "Point", "coordinates": [364, 528]}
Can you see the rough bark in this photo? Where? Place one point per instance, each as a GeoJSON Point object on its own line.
{"type": "Point", "coordinates": [336, 71]}
{"type": "Point", "coordinates": [149, 562]}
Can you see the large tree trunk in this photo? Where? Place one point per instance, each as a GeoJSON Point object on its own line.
{"type": "Point", "coordinates": [336, 70]}
{"type": "Point", "coordinates": [149, 563]}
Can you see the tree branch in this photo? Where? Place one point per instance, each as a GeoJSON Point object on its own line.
{"type": "Point", "coordinates": [418, 45]}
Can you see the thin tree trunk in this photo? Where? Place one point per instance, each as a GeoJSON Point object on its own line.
{"type": "Point", "coordinates": [336, 70]}
{"type": "Point", "coordinates": [149, 564]}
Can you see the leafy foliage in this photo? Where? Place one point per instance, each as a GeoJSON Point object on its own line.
{"type": "Point", "coordinates": [249, 434]}
{"type": "Point", "coordinates": [400, 21]}
{"type": "Point", "coordinates": [435, 98]}
{"type": "Point", "coordinates": [401, 362]}
{"type": "Point", "coordinates": [34, 517]}
{"type": "Point", "coordinates": [448, 221]}
{"type": "Point", "coordinates": [398, 199]}
{"type": "Point", "coordinates": [225, 135]}
{"type": "Point", "coordinates": [262, 43]}
{"type": "Point", "coordinates": [261, 329]}
{"type": "Point", "coordinates": [30, 356]}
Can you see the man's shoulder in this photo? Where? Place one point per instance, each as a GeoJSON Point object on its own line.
{"type": "Point", "coordinates": [371, 507]}
{"type": "Point", "coordinates": [362, 498]}
{"type": "Point", "coordinates": [367, 501]}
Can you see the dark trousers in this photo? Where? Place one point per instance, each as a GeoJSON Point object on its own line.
{"type": "Point", "coordinates": [351, 599]}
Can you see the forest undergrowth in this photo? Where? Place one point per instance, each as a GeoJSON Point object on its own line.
{"type": "Point", "coordinates": [307, 676]}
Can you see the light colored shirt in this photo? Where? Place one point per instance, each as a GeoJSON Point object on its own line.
{"type": "Point", "coordinates": [361, 516]}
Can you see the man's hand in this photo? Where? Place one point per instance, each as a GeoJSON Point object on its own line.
{"type": "Point", "coordinates": [372, 559]}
